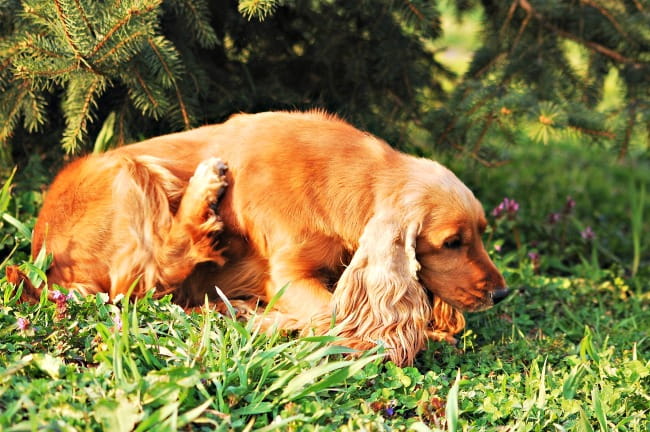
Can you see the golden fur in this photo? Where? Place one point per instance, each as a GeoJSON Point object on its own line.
{"type": "Point", "coordinates": [388, 243]}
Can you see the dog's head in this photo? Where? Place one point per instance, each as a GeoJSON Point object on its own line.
{"type": "Point", "coordinates": [454, 264]}
{"type": "Point", "coordinates": [419, 263]}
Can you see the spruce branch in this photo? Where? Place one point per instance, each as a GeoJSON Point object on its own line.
{"type": "Point", "coordinates": [147, 91]}
{"type": "Point", "coordinates": [418, 13]}
{"type": "Point", "coordinates": [10, 108]}
{"type": "Point", "coordinates": [486, 163]}
{"type": "Point", "coordinates": [483, 100]}
{"type": "Point", "coordinates": [3, 67]}
{"type": "Point", "coordinates": [597, 133]}
{"type": "Point", "coordinates": [198, 15]}
{"type": "Point", "coordinates": [608, 52]}
{"type": "Point", "coordinates": [37, 16]}
{"type": "Point", "coordinates": [423, 14]}
{"type": "Point", "coordinates": [45, 72]}
{"type": "Point", "coordinates": [499, 57]}
{"type": "Point", "coordinates": [631, 120]}
{"type": "Point", "coordinates": [608, 15]}
{"type": "Point", "coordinates": [34, 45]}
{"type": "Point", "coordinates": [118, 53]}
{"type": "Point", "coordinates": [84, 17]}
{"type": "Point", "coordinates": [130, 14]}
{"type": "Point", "coordinates": [34, 111]}
{"type": "Point", "coordinates": [82, 93]}
{"type": "Point", "coordinates": [511, 13]}
{"type": "Point", "coordinates": [9, 47]}
{"type": "Point", "coordinates": [148, 99]}
{"type": "Point", "coordinates": [172, 78]}
{"type": "Point", "coordinates": [486, 126]}
{"type": "Point", "coordinates": [638, 5]}
{"type": "Point", "coordinates": [521, 30]}
{"type": "Point", "coordinates": [259, 9]}
{"type": "Point", "coordinates": [66, 30]}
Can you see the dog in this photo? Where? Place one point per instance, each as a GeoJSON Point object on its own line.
{"type": "Point", "coordinates": [382, 245]}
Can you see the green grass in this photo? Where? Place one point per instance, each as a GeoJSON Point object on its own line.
{"type": "Point", "coordinates": [563, 354]}
{"type": "Point", "coordinates": [568, 351]}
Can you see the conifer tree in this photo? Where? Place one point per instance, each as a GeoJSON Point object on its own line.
{"type": "Point", "coordinates": [525, 74]}
{"type": "Point", "coordinates": [75, 50]}
{"type": "Point", "coordinates": [65, 65]}
{"type": "Point", "coordinates": [180, 63]}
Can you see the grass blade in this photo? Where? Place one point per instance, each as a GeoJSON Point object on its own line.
{"type": "Point", "coordinates": [451, 409]}
{"type": "Point", "coordinates": [541, 395]}
{"type": "Point", "coordinates": [106, 136]}
{"type": "Point", "coordinates": [599, 409]}
{"type": "Point", "coordinates": [5, 192]}
{"type": "Point", "coordinates": [298, 383]}
{"type": "Point", "coordinates": [572, 383]}
{"type": "Point", "coordinates": [584, 425]}
{"type": "Point", "coordinates": [637, 208]}
{"type": "Point", "coordinates": [587, 348]}
{"type": "Point", "coordinates": [280, 424]}
{"type": "Point", "coordinates": [338, 378]}
{"type": "Point", "coordinates": [21, 227]}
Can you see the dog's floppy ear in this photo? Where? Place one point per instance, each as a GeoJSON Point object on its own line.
{"type": "Point", "coordinates": [378, 297]}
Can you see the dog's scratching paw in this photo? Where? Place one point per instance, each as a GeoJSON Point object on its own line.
{"type": "Point", "coordinates": [208, 183]}
{"type": "Point", "coordinates": [201, 200]}
{"type": "Point", "coordinates": [221, 166]}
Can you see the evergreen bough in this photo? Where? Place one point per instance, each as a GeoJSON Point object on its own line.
{"type": "Point", "coordinates": [162, 66]}
{"type": "Point", "coordinates": [83, 48]}
{"type": "Point", "coordinates": [525, 73]}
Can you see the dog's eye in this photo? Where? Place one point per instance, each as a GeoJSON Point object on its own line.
{"type": "Point", "coordinates": [453, 243]}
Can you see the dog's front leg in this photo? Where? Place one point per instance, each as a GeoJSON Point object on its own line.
{"type": "Point", "coordinates": [306, 300]}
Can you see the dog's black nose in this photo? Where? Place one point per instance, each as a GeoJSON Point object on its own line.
{"type": "Point", "coordinates": [499, 294]}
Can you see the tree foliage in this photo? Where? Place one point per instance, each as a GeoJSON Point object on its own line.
{"type": "Point", "coordinates": [526, 72]}
{"type": "Point", "coordinates": [72, 52]}
{"type": "Point", "coordinates": [66, 65]}
{"type": "Point", "coordinates": [181, 63]}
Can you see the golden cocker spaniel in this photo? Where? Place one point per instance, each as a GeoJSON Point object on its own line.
{"type": "Point", "coordinates": [387, 243]}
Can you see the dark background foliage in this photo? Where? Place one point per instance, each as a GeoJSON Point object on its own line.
{"type": "Point", "coordinates": [163, 66]}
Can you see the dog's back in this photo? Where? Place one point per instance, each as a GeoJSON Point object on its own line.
{"type": "Point", "coordinates": [292, 177]}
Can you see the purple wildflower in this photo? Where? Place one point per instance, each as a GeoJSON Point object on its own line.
{"type": "Point", "coordinates": [390, 410]}
{"type": "Point", "coordinates": [22, 323]}
{"type": "Point", "coordinates": [507, 206]}
{"type": "Point", "coordinates": [569, 205]}
{"type": "Point", "coordinates": [117, 321]}
{"type": "Point", "coordinates": [554, 218]}
{"type": "Point", "coordinates": [534, 260]}
{"type": "Point", "coordinates": [58, 296]}
{"type": "Point", "coordinates": [61, 301]}
{"type": "Point", "coordinates": [588, 234]}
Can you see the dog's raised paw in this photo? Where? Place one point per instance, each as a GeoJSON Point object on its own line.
{"type": "Point", "coordinates": [205, 188]}
{"type": "Point", "coordinates": [209, 181]}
